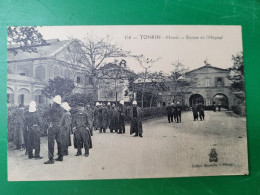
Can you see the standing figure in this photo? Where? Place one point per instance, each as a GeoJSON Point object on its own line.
{"type": "Point", "coordinates": [33, 122]}
{"type": "Point", "coordinates": [214, 107]}
{"type": "Point", "coordinates": [54, 131]}
{"type": "Point", "coordinates": [122, 114]}
{"type": "Point", "coordinates": [82, 137]}
{"type": "Point", "coordinates": [113, 115]}
{"type": "Point", "coordinates": [18, 138]}
{"type": "Point", "coordinates": [65, 128]}
{"type": "Point", "coordinates": [195, 112]}
{"type": "Point", "coordinates": [90, 114]}
{"type": "Point", "coordinates": [104, 119]}
{"type": "Point", "coordinates": [95, 123]}
{"type": "Point", "coordinates": [170, 113]}
{"type": "Point", "coordinates": [178, 112]}
{"type": "Point", "coordinates": [219, 107]}
{"type": "Point", "coordinates": [136, 120]}
{"type": "Point", "coordinates": [201, 112]}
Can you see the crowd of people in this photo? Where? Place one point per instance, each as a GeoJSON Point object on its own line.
{"type": "Point", "coordinates": [62, 124]}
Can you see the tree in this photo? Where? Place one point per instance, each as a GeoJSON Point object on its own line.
{"type": "Point", "coordinates": [236, 77]}
{"type": "Point", "coordinates": [146, 64]}
{"type": "Point", "coordinates": [96, 51]}
{"type": "Point", "coordinates": [77, 98]}
{"type": "Point", "coordinates": [177, 84]}
{"type": "Point", "coordinates": [25, 38]}
{"type": "Point", "coordinates": [58, 86]}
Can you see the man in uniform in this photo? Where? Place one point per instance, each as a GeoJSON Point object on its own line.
{"type": "Point", "coordinates": [82, 135]}
{"type": "Point", "coordinates": [136, 120]}
{"type": "Point", "coordinates": [178, 112]}
{"type": "Point", "coordinates": [90, 114]}
{"type": "Point", "coordinates": [195, 112]}
{"type": "Point", "coordinates": [170, 113]}
{"type": "Point", "coordinates": [201, 111]}
{"type": "Point", "coordinates": [54, 131]}
{"type": "Point", "coordinates": [18, 138]}
{"type": "Point", "coordinates": [113, 124]}
{"type": "Point", "coordinates": [104, 119]}
{"type": "Point", "coordinates": [122, 114]}
{"type": "Point", "coordinates": [33, 122]}
{"type": "Point", "coordinates": [96, 116]}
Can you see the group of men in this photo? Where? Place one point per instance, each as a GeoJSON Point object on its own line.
{"type": "Point", "coordinates": [62, 124]}
{"type": "Point", "coordinates": [198, 111]}
{"type": "Point", "coordinates": [174, 112]}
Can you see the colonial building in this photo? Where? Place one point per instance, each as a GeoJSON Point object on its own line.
{"type": "Point", "coordinates": [210, 85]}
{"type": "Point", "coordinates": [28, 73]}
{"type": "Point", "coordinates": [113, 83]}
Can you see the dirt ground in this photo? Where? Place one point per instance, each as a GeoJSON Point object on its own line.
{"type": "Point", "coordinates": [166, 150]}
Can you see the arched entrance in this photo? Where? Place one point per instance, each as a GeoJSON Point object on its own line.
{"type": "Point", "coordinates": [220, 99]}
{"type": "Point", "coordinates": [196, 99]}
{"type": "Point", "coordinates": [23, 96]}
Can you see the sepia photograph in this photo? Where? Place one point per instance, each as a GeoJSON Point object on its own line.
{"type": "Point", "coordinates": [125, 102]}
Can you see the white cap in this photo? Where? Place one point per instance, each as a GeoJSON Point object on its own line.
{"type": "Point", "coordinates": [66, 106]}
{"type": "Point", "coordinates": [32, 106]}
{"type": "Point", "coordinates": [134, 103]}
{"type": "Point", "coordinates": [57, 99]}
{"type": "Point", "coordinates": [178, 102]}
{"type": "Point", "coordinates": [97, 103]}
{"type": "Point", "coordinates": [172, 103]}
{"type": "Point", "coordinates": [108, 103]}
{"type": "Point", "coordinates": [121, 102]}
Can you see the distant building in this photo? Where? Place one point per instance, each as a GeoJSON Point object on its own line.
{"type": "Point", "coordinates": [28, 73]}
{"type": "Point", "coordinates": [113, 83]}
{"type": "Point", "coordinates": [211, 86]}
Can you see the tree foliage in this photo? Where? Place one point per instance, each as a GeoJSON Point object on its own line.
{"type": "Point", "coordinates": [237, 76]}
{"type": "Point", "coordinates": [59, 86]}
{"type": "Point", "coordinates": [77, 98]}
{"type": "Point", "coordinates": [25, 38]}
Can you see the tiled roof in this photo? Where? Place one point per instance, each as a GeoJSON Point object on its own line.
{"type": "Point", "coordinates": [46, 50]}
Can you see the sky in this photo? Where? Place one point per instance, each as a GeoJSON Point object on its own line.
{"type": "Point", "coordinates": [190, 45]}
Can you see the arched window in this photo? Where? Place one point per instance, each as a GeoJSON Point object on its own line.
{"type": "Point", "coordinates": [23, 96]}
{"type": "Point", "coordinates": [10, 95]}
{"type": "Point", "coordinates": [56, 72]}
{"type": "Point", "coordinates": [22, 71]}
{"type": "Point", "coordinates": [40, 73]}
{"type": "Point", "coordinates": [38, 97]}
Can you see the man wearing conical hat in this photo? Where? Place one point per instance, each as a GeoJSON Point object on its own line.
{"type": "Point", "coordinates": [65, 128]}
{"type": "Point", "coordinates": [33, 122]}
{"type": "Point", "coordinates": [54, 132]}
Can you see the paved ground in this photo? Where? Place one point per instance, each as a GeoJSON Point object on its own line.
{"type": "Point", "coordinates": [166, 150]}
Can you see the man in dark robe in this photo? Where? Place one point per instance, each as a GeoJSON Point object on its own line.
{"type": "Point", "coordinates": [90, 114]}
{"type": "Point", "coordinates": [201, 112]}
{"type": "Point", "coordinates": [54, 131]}
{"type": "Point", "coordinates": [136, 120]}
{"type": "Point", "coordinates": [178, 112]}
{"type": "Point", "coordinates": [170, 113]}
{"type": "Point", "coordinates": [33, 122]}
{"type": "Point", "coordinates": [113, 115]}
{"type": "Point", "coordinates": [82, 137]}
{"type": "Point", "coordinates": [122, 115]}
{"type": "Point", "coordinates": [65, 128]}
{"type": "Point", "coordinates": [195, 112]}
{"type": "Point", "coordinates": [18, 138]}
{"type": "Point", "coordinates": [104, 119]}
{"type": "Point", "coordinates": [96, 118]}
